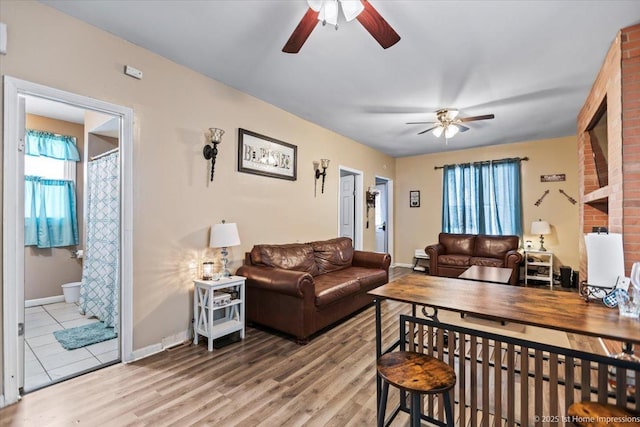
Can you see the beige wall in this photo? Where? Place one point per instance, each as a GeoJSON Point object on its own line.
{"type": "Point", "coordinates": [174, 203]}
{"type": "Point", "coordinates": [46, 269]}
{"type": "Point", "coordinates": [419, 227]}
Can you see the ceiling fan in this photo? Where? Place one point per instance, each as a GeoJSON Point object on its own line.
{"type": "Point", "coordinates": [326, 11]}
{"type": "Point", "coordinates": [449, 124]}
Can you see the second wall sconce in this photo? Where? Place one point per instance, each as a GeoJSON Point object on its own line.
{"type": "Point", "coordinates": [324, 164]}
{"type": "Point", "coordinates": [210, 151]}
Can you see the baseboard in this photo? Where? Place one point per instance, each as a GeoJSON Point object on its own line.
{"type": "Point", "coordinates": [167, 342]}
{"type": "Point", "coordinates": [43, 301]}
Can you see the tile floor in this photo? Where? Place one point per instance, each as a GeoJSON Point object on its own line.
{"type": "Point", "coordinates": [45, 360]}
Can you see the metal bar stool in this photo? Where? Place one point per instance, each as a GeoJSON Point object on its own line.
{"type": "Point", "coordinates": [593, 414]}
{"type": "Point", "coordinates": [417, 374]}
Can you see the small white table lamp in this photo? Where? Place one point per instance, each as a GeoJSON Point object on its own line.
{"type": "Point", "coordinates": [223, 236]}
{"type": "Point", "coordinates": [541, 227]}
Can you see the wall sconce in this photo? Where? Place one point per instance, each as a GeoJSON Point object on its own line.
{"type": "Point", "coordinates": [211, 151]}
{"type": "Point", "coordinates": [371, 194]}
{"type": "Point", "coordinates": [324, 163]}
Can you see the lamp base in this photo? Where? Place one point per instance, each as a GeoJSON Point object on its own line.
{"type": "Point", "coordinates": [225, 272]}
{"type": "Point", "coordinates": [542, 248]}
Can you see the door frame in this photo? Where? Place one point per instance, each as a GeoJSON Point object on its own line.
{"type": "Point", "coordinates": [358, 230]}
{"type": "Point", "coordinates": [390, 214]}
{"type": "Point", "coordinates": [13, 222]}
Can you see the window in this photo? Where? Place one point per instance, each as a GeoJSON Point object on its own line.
{"type": "Point", "coordinates": [50, 199]}
{"type": "Point", "coordinates": [482, 198]}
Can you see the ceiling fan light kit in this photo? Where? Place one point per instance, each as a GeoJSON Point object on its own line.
{"type": "Point", "coordinates": [449, 124]}
{"type": "Point", "coordinates": [327, 11]}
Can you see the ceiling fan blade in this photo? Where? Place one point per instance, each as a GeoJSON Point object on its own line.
{"type": "Point", "coordinates": [427, 130]}
{"type": "Point", "coordinates": [421, 123]}
{"type": "Point", "coordinates": [302, 31]}
{"type": "Point", "coordinates": [475, 118]}
{"type": "Point", "coordinates": [380, 29]}
{"type": "Point", "coordinates": [462, 128]}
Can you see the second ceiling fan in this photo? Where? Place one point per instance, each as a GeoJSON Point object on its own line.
{"type": "Point", "coordinates": [449, 124]}
{"type": "Point", "coordinates": [326, 11]}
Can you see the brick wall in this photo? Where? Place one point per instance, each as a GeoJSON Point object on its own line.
{"type": "Point", "coordinates": [618, 204]}
{"type": "Point", "coordinates": [630, 40]}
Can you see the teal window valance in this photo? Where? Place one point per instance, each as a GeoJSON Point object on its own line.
{"type": "Point", "coordinates": [47, 144]}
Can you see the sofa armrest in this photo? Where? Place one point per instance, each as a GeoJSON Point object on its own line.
{"type": "Point", "coordinates": [512, 258]}
{"type": "Point", "coordinates": [288, 282]}
{"type": "Point", "coordinates": [433, 251]}
{"type": "Point", "coordinates": [371, 260]}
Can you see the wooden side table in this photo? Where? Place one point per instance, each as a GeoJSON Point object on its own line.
{"type": "Point", "coordinates": [218, 308]}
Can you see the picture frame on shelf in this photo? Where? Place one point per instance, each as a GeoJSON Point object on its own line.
{"type": "Point", "coordinates": [266, 156]}
{"type": "Point", "coordinates": [414, 199]}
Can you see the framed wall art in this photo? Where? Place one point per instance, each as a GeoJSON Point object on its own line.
{"type": "Point", "coordinates": [262, 155]}
{"type": "Point", "coordinates": [414, 199]}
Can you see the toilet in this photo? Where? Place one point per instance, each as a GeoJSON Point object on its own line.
{"type": "Point", "coordinates": [71, 292]}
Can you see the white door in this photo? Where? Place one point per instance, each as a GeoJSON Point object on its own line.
{"type": "Point", "coordinates": [381, 219]}
{"type": "Point", "coordinates": [347, 206]}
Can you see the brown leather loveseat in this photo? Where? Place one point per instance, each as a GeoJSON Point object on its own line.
{"type": "Point", "coordinates": [301, 288]}
{"type": "Point", "coordinates": [455, 253]}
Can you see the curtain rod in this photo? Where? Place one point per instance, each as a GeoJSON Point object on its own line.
{"type": "Point", "coordinates": [52, 133]}
{"type": "Point", "coordinates": [524, 159]}
{"type": "Point", "coordinates": [106, 153]}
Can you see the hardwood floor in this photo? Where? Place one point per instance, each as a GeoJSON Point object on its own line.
{"type": "Point", "coordinates": [264, 380]}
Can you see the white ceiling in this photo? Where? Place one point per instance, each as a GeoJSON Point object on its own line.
{"type": "Point", "coordinates": [531, 63]}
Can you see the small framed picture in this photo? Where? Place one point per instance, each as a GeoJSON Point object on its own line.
{"type": "Point", "coordinates": [414, 199]}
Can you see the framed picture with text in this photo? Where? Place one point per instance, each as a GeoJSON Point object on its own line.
{"type": "Point", "coordinates": [262, 155]}
{"type": "Point", "coordinates": [414, 199]}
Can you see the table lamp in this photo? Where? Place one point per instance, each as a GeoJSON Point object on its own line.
{"type": "Point", "coordinates": [541, 227]}
{"type": "Point", "coordinates": [223, 236]}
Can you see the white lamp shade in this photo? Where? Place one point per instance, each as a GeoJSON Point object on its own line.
{"type": "Point", "coordinates": [437, 132]}
{"type": "Point", "coordinates": [540, 227]}
{"type": "Point", "coordinates": [451, 131]}
{"type": "Point", "coordinates": [351, 9]}
{"type": "Point", "coordinates": [224, 235]}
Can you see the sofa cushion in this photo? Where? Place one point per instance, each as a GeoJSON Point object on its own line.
{"type": "Point", "coordinates": [495, 246]}
{"type": "Point", "coordinates": [487, 262]}
{"type": "Point", "coordinates": [332, 255]}
{"type": "Point", "coordinates": [369, 278]}
{"type": "Point", "coordinates": [294, 256]}
{"type": "Point", "coordinates": [458, 260]}
{"type": "Point", "coordinates": [459, 244]}
{"type": "Point", "coordinates": [330, 287]}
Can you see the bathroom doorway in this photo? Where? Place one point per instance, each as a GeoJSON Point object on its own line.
{"type": "Point", "coordinates": [68, 289]}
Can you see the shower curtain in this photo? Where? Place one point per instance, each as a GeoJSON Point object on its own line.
{"type": "Point", "coordinates": [100, 292]}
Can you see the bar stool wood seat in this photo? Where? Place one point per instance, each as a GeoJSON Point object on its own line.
{"type": "Point", "coordinates": [594, 414]}
{"type": "Point", "coordinates": [417, 374]}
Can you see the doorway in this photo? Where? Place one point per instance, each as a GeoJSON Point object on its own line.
{"type": "Point", "coordinates": [384, 215]}
{"type": "Point", "coordinates": [48, 309]}
{"type": "Point", "coordinates": [350, 199]}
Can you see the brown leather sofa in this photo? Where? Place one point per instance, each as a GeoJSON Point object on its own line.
{"type": "Point", "coordinates": [301, 288]}
{"type": "Point", "coordinates": [455, 253]}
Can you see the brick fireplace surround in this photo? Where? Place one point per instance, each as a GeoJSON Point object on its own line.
{"type": "Point", "coordinates": [617, 205]}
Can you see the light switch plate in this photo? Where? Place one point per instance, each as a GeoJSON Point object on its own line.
{"type": "Point", "coordinates": [3, 38]}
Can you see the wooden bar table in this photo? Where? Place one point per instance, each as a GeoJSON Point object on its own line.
{"type": "Point", "coordinates": [544, 308]}
{"type": "Point", "coordinates": [562, 311]}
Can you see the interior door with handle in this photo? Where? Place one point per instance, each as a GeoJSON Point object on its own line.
{"type": "Point", "coordinates": [381, 219]}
